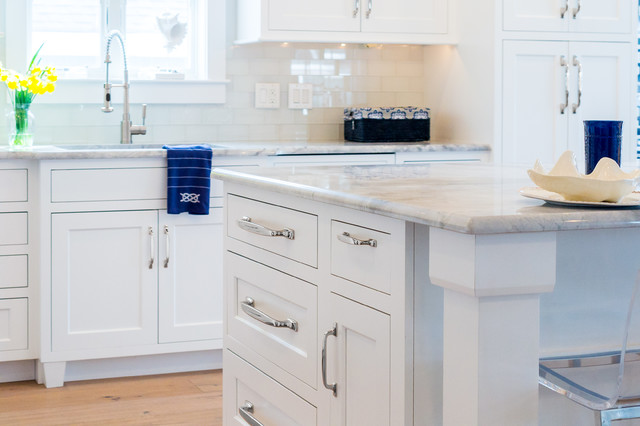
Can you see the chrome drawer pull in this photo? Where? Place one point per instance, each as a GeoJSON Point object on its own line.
{"type": "Point", "coordinates": [246, 224]}
{"type": "Point", "coordinates": [151, 247]}
{"type": "Point", "coordinates": [346, 238]}
{"type": "Point", "coordinates": [246, 412]}
{"type": "Point", "coordinates": [333, 387]}
{"type": "Point", "coordinates": [249, 309]}
{"type": "Point", "coordinates": [168, 246]}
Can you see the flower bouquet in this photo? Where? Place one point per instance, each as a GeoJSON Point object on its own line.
{"type": "Point", "coordinates": [22, 91]}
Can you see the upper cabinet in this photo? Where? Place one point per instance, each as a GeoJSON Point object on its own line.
{"type": "Point", "coordinates": [579, 16]}
{"type": "Point", "coordinates": [355, 21]}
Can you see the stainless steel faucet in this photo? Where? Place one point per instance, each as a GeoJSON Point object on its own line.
{"type": "Point", "coordinates": [126, 128]}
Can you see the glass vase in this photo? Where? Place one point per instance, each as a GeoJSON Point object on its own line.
{"type": "Point", "coordinates": [20, 124]}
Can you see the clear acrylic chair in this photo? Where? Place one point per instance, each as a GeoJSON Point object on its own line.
{"type": "Point", "coordinates": [600, 381]}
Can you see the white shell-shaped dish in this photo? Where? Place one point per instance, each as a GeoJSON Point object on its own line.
{"type": "Point", "coordinates": [607, 182]}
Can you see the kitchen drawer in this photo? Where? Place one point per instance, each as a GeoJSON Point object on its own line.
{"type": "Point", "coordinates": [273, 404]}
{"type": "Point", "coordinates": [14, 324]}
{"type": "Point", "coordinates": [302, 247]}
{"type": "Point", "coordinates": [363, 264]}
{"type": "Point", "coordinates": [282, 297]}
{"type": "Point", "coordinates": [14, 271]}
{"type": "Point", "coordinates": [14, 187]}
{"type": "Point", "coordinates": [74, 185]}
{"type": "Point", "coordinates": [13, 228]}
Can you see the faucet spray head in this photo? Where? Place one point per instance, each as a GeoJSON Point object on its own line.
{"type": "Point", "coordinates": [107, 98]}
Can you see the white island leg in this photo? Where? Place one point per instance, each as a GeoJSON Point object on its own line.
{"type": "Point", "coordinates": [491, 323]}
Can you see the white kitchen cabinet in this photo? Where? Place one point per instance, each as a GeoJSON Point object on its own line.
{"type": "Point", "coordinates": [14, 324]}
{"type": "Point", "coordinates": [579, 16]}
{"type": "Point", "coordinates": [379, 21]}
{"type": "Point", "coordinates": [358, 363]}
{"type": "Point", "coordinates": [550, 87]}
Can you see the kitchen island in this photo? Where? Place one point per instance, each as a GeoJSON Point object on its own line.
{"type": "Point", "coordinates": [415, 293]}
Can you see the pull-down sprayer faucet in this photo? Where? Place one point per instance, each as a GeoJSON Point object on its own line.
{"type": "Point", "coordinates": [126, 128]}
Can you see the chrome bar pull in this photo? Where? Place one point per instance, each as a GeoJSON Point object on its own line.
{"type": "Point", "coordinates": [576, 10]}
{"type": "Point", "coordinates": [255, 228]}
{"type": "Point", "coordinates": [151, 248]}
{"type": "Point", "coordinates": [564, 9]}
{"type": "Point", "coordinates": [369, 9]}
{"type": "Point", "coordinates": [356, 8]}
{"type": "Point", "coordinates": [576, 63]}
{"type": "Point", "coordinates": [246, 412]}
{"type": "Point", "coordinates": [565, 65]}
{"type": "Point", "coordinates": [346, 238]}
{"type": "Point", "coordinates": [248, 306]}
{"type": "Point", "coordinates": [167, 247]}
{"type": "Point", "coordinates": [333, 387]}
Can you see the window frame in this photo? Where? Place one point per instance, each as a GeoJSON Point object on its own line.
{"type": "Point", "coordinates": [90, 91]}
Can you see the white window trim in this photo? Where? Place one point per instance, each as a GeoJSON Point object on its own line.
{"type": "Point", "coordinates": [209, 91]}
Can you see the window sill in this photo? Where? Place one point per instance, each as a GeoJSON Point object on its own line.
{"type": "Point", "coordinates": [91, 91]}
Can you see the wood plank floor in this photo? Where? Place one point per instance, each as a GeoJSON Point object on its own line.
{"type": "Point", "coordinates": [168, 399]}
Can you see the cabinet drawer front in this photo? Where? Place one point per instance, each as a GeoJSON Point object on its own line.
{"type": "Point", "coordinates": [273, 404]}
{"type": "Point", "coordinates": [15, 187]}
{"type": "Point", "coordinates": [363, 264]}
{"type": "Point", "coordinates": [108, 184]}
{"type": "Point", "coordinates": [13, 228]}
{"type": "Point", "coordinates": [14, 271]}
{"type": "Point", "coordinates": [281, 297]}
{"type": "Point", "coordinates": [14, 324]}
{"type": "Point", "coordinates": [302, 248]}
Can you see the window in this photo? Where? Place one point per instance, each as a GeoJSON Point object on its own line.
{"type": "Point", "coordinates": [178, 44]}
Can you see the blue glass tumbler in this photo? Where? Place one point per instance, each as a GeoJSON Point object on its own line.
{"type": "Point", "coordinates": [602, 138]}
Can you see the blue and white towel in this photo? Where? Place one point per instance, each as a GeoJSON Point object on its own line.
{"type": "Point", "coordinates": [189, 178]}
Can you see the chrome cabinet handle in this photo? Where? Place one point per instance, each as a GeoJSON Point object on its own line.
{"type": "Point", "coordinates": [168, 246]}
{"type": "Point", "coordinates": [564, 9]}
{"type": "Point", "coordinates": [255, 228]}
{"type": "Point", "coordinates": [576, 63]}
{"type": "Point", "coordinates": [151, 247]}
{"type": "Point", "coordinates": [369, 9]}
{"type": "Point", "coordinates": [246, 412]}
{"type": "Point", "coordinates": [346, 238]}
{"type": "Point", "coordinates": [249, 309]}
{"type": "Point", "coordinates": [356, 8]}
{"type": "Point", "coordinates": [333, 387]}
{"type": "Point", "coordinates": [565, 65]}
{"type": "Point", "coordinates": [576, 10]}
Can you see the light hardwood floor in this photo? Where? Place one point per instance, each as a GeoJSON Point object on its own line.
{"type": "Point", "coordinates": [170, 399]}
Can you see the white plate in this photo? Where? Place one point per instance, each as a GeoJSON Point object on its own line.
{"type": "Point", "coordinates": [631, 200]}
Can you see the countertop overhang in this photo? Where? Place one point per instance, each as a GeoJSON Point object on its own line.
{"type": "Point", "coordinates": [464, 197]}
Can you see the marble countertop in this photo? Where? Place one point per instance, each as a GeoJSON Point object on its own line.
{"type": "Point", "coordinates": [229, 149]}
{"type": "Point", "coordinates": [464, 197]}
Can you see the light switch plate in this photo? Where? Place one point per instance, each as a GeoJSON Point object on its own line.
{"type": "Point", "coordinates": [300, 96]}
{"type": "Point", "coordinates": [267, 95]}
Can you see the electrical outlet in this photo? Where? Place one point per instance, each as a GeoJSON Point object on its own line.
{"type": "Point", "coordinates": [300, 96]}
{"type": "Point", "coordinates": [267, 95]}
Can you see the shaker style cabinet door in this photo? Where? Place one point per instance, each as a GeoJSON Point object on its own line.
{"type": "Point", "coordinates": [325, 15]}
{"type": "Point", "coordinates": [358, 362]}
{"type": "Point", "coordinates": [404, 16]}
{"type": "Point", "coordinates": [584, 16]}
{"type": "Point", "coordinates": [190, 277]}
{"type": "Point", "coordinates": [103, 280]}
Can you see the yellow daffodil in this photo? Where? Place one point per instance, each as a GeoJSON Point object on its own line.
{"type": "Point", "coordinates": [37, 80]}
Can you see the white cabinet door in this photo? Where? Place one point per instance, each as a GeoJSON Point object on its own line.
{"type": "Point", "coordinates": [404, 16]}
{"type": "Point", "coordinates": [190, 277]}
{"type": "Point", "coordinates": [359, 364]}
{"type": "Point", "coordinates": [591, 16]}
{"type": "Point", "coordinates": [103, 285]}
{"type": "Point", "coordinates": [593, 80]}
{"type": "Point", "coordinates": [534, 124]}
{"type": "Point", "coordinates": [606, 92]}
{"type": "Point", "coordinates": [14, 324]}
{"type": "Point", "coordinates": [327, 15]}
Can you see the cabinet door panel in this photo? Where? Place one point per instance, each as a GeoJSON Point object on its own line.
{"type": "Point", "coordinates": [103, 293]}
{"type": "Point", "coordinates": [405, 16]}
{"type": "Point", "coordinates": [597, 16]}
{"type": "Point", "coordinates": [536, 15]}
{"type": "Point", "coordinates": [14, 324]}
{"type": "Point", "coordinates": [359, 364]}
{"type": "Point", "coordinates": [190, 282]}
{"type": "Point", "coordinates": [606, 92]}
{"type": "Point", "coordinates": [534, 84]}
{"type": "Point", "coordinates": [327, 15]}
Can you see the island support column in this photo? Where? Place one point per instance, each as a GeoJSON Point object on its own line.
{"type": "Point", "coordinates": [491, 287]}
